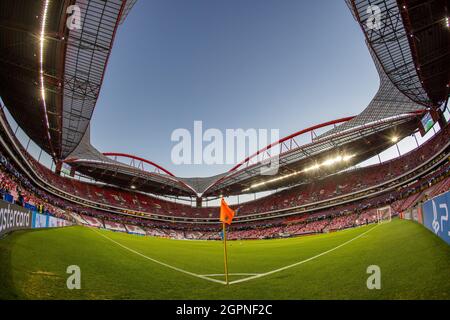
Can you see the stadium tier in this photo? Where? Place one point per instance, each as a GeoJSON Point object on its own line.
{"type": "Point", "coordinates": [337, 202]}
{"type": "Point", "coordinates": [307, 196]}
{"type": "Point", "coordinates": [128, 192]}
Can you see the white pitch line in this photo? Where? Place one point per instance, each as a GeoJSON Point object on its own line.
{"type": "Point", "coordinates": [254, 276]}
{"type": "Point", "coordinates": [159, 262]}
{"type": "Point", "coordinates": [230, 274]}
{"type": "Point", "coordinates": [303, 261]}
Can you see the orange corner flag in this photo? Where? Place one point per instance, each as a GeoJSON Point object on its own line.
{"type": "Point", "coordinates": [226, 214]}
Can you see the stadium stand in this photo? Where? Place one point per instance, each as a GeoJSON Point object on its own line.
{"type": "Point", "coordinates": [325, 200]}
{"type": "Point", "coordinates": [114, 226]}
{"type": "Point", "coordinates": [308, 193]}
{"type": "Point", "coordinates": [15, 187]}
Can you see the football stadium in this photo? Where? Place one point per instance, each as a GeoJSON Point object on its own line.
{"type": "Point", "coordinates": [317, 214]}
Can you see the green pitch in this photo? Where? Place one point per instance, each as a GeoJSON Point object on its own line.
{"type": "Point", "coordinates": [414, 265]}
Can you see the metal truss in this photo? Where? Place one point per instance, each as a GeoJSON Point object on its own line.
{"type": "Point", "coordinates": [138, 163]}
{"type": "Point", "coordinates": [386, 35]}
{"type": "Point", "coordinates": [248, 170]}
{"type": "Point", "coordinates": [126, 10]}
{"type": "Point", "coordinates": [138, 177]}
{"type": "Point", "coordinates": [87, 54]}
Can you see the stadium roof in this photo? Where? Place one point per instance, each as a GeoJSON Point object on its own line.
{"type": "Point", "coordinates": [54, 75]}
{"type": "Point", "coordinates": [103, 167]}
{"type": "Point", "coordinates": [388, 102]}
{"type": "Point", "coordinates": [411, 40]}
{"type": "Point", "coordinates": [51, 76]}
{"type": "Point", "coordinates": [350, 146]}
{"type": "Point", "coordinates": [390, 113]}
{"type": "Point", "coordinates": [20, 61]}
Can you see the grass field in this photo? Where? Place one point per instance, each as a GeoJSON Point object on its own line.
{"type": "Point", "coordinates": [414, 265]}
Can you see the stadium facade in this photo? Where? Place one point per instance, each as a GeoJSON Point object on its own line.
{"type": "Point", "coordinates": [51, 94]}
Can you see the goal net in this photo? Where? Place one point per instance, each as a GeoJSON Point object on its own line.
{"type": "Point", "coordinates": [384, 214]}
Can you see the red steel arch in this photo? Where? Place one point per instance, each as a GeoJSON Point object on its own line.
{"type": "Point", "coordinates": [130, 156]}
{"type": "Point", "coordinates": [296, 134]}
{"type": "Point", "coordinates": [246, 160]}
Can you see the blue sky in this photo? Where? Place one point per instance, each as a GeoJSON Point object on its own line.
{"type": "Point", "coordinates": [264, 64]}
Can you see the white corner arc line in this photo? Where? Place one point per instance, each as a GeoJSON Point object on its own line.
{"type": "Point", "coordinates": [303, 261]}
{"type": "Point", "coordinates": [254, 276]}
{"type": "Point", "coordinates": [159, 262]}
{"type": "Point", "coordinates": [230, 274]}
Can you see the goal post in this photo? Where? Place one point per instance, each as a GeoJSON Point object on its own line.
{"type": "Point", "coordinates": [384, 214]}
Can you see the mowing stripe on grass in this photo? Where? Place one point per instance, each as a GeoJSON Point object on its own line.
{"type": "Point", "coordinates": [303, 261]}
{"type": "Point", "coordinates": [159, 262]}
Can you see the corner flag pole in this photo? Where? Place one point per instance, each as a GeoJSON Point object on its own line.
{"type": "Point", "coordinates": [225, 257]}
